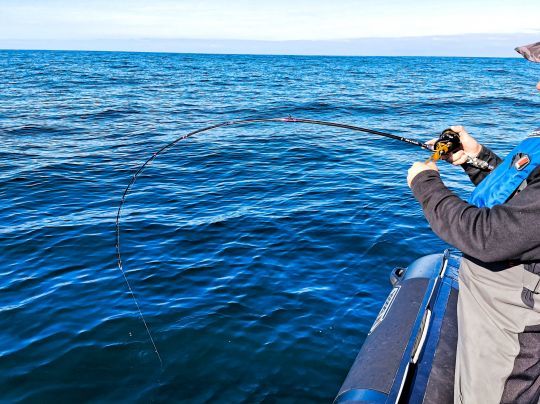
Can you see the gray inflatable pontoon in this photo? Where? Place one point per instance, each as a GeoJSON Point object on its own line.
{"type": "Point", "coordinates": [409, 354]}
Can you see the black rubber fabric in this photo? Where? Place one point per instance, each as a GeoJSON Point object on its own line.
{"type": "Point", "coordinates": [523, 384]}
{"type": "Point", "coordinates": [440, 388]}
{"type": "Point", "coordinates": [377, 363]}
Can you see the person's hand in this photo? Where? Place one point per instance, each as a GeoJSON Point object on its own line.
{"type": "Point", "coordinates": [418, 167]}
{"type": "Point", "coordinates": [469, 147]}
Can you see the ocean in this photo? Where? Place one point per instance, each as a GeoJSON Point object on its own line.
{"type": "Point", "coordinates": [259, 254]}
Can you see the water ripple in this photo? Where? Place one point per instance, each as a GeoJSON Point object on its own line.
{"type": "Point", "coordinates": [259, 254]}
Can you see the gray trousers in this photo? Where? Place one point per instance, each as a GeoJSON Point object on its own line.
{"type": "Point", "coordinates": [498, 351]}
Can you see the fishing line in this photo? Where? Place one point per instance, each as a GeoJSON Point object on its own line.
{"type": "Point", "coordinates": [238, 123]}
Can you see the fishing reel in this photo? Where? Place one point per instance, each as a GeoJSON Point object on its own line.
{"type": "Point", "coordinates": [447, 143]}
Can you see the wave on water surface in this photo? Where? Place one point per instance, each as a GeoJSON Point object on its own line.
{"type": "Point", "coordinates": [259, 254]}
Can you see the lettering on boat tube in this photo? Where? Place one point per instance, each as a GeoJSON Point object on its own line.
{"type": "Point", "coordinates": [386, 308]}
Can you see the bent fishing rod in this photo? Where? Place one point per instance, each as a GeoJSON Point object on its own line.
{"type": "Point", "coordinates": [446, 143]}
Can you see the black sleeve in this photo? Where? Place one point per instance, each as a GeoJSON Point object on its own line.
{"type": "Point", "coordinates": [510, 231]}
{"type": "Point", "coordinates": [475, 174]}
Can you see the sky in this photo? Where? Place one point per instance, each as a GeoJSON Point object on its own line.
{"type": "Point", "coordinates": [472, 27]}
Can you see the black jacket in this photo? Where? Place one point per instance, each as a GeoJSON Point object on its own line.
{"type": "Point", "coordinates": [507, 232]}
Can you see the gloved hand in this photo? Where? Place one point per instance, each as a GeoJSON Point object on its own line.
{"type": "Point", "coordinates": [418, 167]}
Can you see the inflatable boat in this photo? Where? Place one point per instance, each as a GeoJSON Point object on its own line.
{"type": "Point", "coordinates": [409, 354]}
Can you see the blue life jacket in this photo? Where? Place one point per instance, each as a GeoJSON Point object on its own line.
{"type": "Point", "coordinates": [509, 175]}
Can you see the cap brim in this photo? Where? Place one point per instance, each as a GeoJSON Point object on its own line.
{"type": "Point", "coordinates": [530, 52]}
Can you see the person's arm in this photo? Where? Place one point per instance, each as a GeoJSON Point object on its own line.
{"type": "Point", "coordinates": [510, 231]}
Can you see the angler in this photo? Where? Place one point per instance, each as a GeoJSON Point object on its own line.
{"type": "Point", "coordinates": [498, 231]}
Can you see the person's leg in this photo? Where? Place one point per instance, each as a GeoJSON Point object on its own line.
{"type": "Point", "coordinates": [496, 337]}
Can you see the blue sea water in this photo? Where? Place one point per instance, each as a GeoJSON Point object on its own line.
{"type": "Point", "coordinates": [259, 254]}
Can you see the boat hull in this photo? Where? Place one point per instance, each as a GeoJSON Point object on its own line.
{"type": "Point", "coordinates": [409, 354]}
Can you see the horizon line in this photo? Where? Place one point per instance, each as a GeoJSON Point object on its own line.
{"type": "Point", "coordinates": [517, 56]}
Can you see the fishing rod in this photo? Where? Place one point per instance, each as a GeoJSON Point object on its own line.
{"type": "Point", "coordinates": [445, 144]}
{"type": "Point", "coordinates": [448, 141]}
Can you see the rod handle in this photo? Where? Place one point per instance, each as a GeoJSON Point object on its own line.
{"type": "Point", "coordinates": [481, 164]}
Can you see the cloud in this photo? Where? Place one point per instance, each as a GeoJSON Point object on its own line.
{"type": "Point", "coordinates": [501, 45]}
{"type": "Point", "coordinates": [276, 20]}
